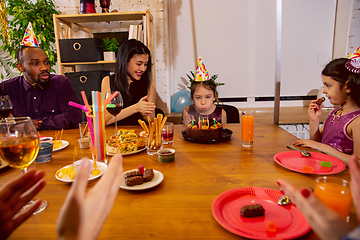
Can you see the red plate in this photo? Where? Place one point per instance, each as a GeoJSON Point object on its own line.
{"type": "Point", "coordinates": [289, 221]}
{"type": "Point", "coordinates": [294, 161]}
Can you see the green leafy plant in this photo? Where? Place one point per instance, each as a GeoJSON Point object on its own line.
{"type": "Point", "coordinates": [110, 45]}
{"type": "Point", "coordinates": [213, 78]}
{"type": "Point", "coordinates": [4, 60]}
{"type": "Point", "coordinates": [40, 14]}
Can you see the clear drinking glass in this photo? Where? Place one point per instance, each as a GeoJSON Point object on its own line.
{"type": "Point", "coordinates": [6, 106]}
{"type": "Point", "coordinates": [334, 193]}
{"type": "Point", "coordinates": [19, 146]}
{"type": "Point", "coordinates": [115, 106]}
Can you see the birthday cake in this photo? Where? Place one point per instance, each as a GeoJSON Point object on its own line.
{"type": "Point", "coordinates": [204, 130]}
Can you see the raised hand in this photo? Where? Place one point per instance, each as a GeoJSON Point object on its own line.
{"type": "Point", "coordinates": [326, 223]}
{"type": "Point", "coordinates": [144, 107]}
{"type": "Point", "coordinates": [14, 195]}
{"type": "Point", "coordinates": [84, 213]}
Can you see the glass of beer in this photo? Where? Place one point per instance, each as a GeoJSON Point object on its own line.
{"type": "Point", "coordinates": [19, 146]}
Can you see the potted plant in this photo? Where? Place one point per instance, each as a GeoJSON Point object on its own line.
{"type": "Point", "coordinates": [40, 14]}
{"type": "Point", "coordinates": [110, 46]}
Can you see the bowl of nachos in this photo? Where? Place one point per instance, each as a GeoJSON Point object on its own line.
{"type": "Point", "coordinates": [125, 142]}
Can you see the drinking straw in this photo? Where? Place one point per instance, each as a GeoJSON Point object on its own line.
{"type": "Point", "coordinates": [77, 105]}
{"type": "Point", "coordinates": [101, 125]}
{"type": "Point", "coordinates": [96, 122]}
{"type": "Point", "coordinates": [88, 116]}
{"type": "Point", "coordinates": [106, 102]}
{"type": "Point", "coordinates": [85, 100]}
{"type": "Point", "coordinates": [214, 121]}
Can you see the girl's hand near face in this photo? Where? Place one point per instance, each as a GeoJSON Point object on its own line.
{"type": "Point", "coordinates": [144, 107]}
{"type": "Point", "coordinates": [314, 111]}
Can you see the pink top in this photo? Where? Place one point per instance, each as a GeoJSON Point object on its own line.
{"type": "Point", "coordinates": [335, 134]}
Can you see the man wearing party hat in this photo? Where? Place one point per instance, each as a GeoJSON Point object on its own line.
{"type": "Point", "coordinates": [204, 94]}
{"type": "Point", "coordinates": [38, 94]}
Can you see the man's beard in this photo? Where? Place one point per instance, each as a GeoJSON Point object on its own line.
{"type": "Point", "coordinates": [43, 85]}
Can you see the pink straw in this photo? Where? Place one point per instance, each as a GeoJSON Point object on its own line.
{"type": "Point", "coordinates": [82, 107]}
{"type": "Point", "coordinates": [74, 104]}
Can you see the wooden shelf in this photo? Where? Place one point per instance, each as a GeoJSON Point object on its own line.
{"type": "Point", "coordinates": [64, 27]}
{"type": "Point", "coordinates": [88, 63]}
{"type": "Point", "coordinates": [101, 17]}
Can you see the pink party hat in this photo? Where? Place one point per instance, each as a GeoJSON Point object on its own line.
{"type": "Point", "coordinates": [201, 73]}
{"type": "Point", "coordinates": [354, 64]}
{"type": "Point", "coordinates": [29, 39]}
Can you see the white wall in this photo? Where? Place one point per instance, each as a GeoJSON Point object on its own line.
{"type": "Point", "coordinates": [236, 39]}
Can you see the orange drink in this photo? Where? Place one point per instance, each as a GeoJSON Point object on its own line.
{"type": "Point", "coordinates": [334, 193]}
{"type": "Point", "coordinates": [247, 126]}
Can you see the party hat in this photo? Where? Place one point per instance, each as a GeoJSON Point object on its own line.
{"type": "Point", "coordinates": [355, 54]}
{"type": "Point", "coordinates": [354, 64]}
{"type": "Point", "coordinates": [29, 39]}
{"type": "Point", "coordinates": [201, 73]}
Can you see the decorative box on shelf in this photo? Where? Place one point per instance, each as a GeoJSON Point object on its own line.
{"type": "Point", "coordinates": [81, 50]}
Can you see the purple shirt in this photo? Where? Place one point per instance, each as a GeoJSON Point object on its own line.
{"type": "Point", "coordinates": [335, 134]}
{"type": "Point", "coordinates": [50, 106]}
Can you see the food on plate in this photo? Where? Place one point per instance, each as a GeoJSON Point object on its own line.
{"type": "Point", "coordinates": [125, 141]}
{"type": "Point", "coordinates": [132, 174]}
{"type": "Point", "coordinates": [253, 210]}
{"type": "Point", "coordinates": [204, 129]}
{"type": "Point", "coordinates": [96, 171]}
{"type": "Point", "coordinates": [132, 181]}
{"type": "Point", "coordinates": [57, 144]}
{"type": "Point", "coordinates": [135, 177]}
{"type": "Point", "coordinates": [307, 169]}
{"type": "Point", "coordinates": [148, 175]}
{"type": "Point", "coordinates": [320, 101]}
{"type": "Point", "coordinates": [154, 130]}
{"type": "Point", "coordinates": [65, 173]}
{"type": "Point", "coordinates": [326, 164]}
{"type": "Point", "coordinates": [271, 227]}
{"type": "Point", "coordinates": [141, 169]}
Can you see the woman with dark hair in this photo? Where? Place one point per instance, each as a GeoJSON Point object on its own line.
{"type": "Point", "coordinates": [132, 79]}
{"type": "Point", "coordinates": [339, 136]}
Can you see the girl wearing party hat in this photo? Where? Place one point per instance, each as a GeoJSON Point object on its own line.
{"type": "Point", "coordinates": [340, 134]}
{"type": "Point", "coordinates": [203, 94]}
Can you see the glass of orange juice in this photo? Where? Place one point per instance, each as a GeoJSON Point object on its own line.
{"type": "Point", "coordinates": [334, 193]}
{"type": "Point", "coordinates": [247, 128]}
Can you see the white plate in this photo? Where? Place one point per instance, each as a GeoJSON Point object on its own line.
{"type": "Point", "coordinates": [63, 145]}
{"type": "Point", "coordinates": [158, 178]}
{"type": "Point", "coordinates": [128, 153]}
{"type": "Point", "coordinates": [100, 165]}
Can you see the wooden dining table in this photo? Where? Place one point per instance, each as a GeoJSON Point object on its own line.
{"type": "Point", "coordinates": [181, 206]}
